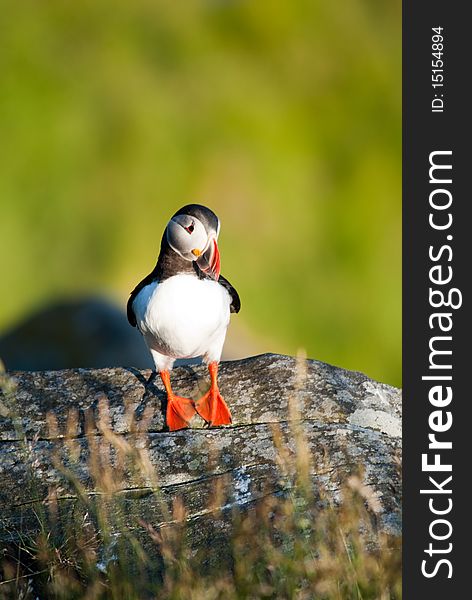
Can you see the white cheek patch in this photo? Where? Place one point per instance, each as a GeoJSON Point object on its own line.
{"type": "Point", "coordinates": [184, 234]}
{"type": "Point", "coordinates": [199, 238]}
{"type": "Point", "coordinates": [175, 235]}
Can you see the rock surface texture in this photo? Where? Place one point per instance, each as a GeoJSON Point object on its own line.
{"type": "Point", "coordinates": [63, 432]}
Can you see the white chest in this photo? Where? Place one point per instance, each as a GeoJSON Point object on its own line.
{"type": "Point", "coordinates": [183, 316]}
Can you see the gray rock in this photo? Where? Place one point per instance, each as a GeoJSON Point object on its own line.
{"type": "Point", "coordinates": [343, 418]}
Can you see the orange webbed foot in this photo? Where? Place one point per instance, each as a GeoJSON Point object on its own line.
{"type": "Point", "coordinates": [179, 412]}
{"type": "Point", "coordinates": [213, 408]}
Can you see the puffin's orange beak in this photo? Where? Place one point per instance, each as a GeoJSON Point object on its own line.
{"type": "Point", "coordinates": [209, 261]}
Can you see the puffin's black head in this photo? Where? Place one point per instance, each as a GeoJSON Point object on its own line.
{"type": "Point", "coordinates": [193, 233]}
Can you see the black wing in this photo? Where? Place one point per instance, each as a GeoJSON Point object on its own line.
{"type": "Point", "coordinates": [235, 301]}
{"type": "Point", "coordinates": [129, 307]}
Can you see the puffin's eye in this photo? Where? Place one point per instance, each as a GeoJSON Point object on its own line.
{"type": "Point", "coordinates": [190, 228]}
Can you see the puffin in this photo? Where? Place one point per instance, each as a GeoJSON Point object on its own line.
{"type": "Point", "coordinates": [182, 309]}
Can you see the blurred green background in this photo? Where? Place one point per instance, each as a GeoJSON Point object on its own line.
{"type": "Point", "coordinates": [283, 117]}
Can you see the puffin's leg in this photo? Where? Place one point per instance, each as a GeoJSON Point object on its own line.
{"type": "Point", "coordinates": [211, 406]}
{"type": "Point", "coordinates": [179, 410]}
